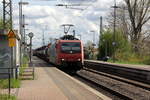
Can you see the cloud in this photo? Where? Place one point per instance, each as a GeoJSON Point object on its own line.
{"type": "Point", "coordinates": [80, 1]}
{"type": "Point", "coordinates": [48, 19]}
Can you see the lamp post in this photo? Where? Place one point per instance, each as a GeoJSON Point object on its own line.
{"type": "Point", "coordinates": [93, 45]}
{"type": "Point", "coordinates": [30, 36]}
{"type": "Point", "coordinates": [93, 37]}
{"type": "Point", "coordinates": [21, 17]}
{"type": "Point", "coordinates": [105, 43]}
{"type": "Point", "coordinates": [74, 33]}
{"type": "Point", "coordinates": [114, 35]}
{"type": "Point", "coordinates": [24, 29]}
{"type": "Point", "coordinates": [25, 35]}
{"type": "Point", "coordinates": [44, 29]}
{"type": "Point", "coordinates": [21, 27]}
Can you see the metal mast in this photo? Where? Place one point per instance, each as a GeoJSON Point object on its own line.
{"type": "Point", "coordinates": [100, 29]}
{"type": "Point", "coordinates": [7, 14]}
{"type": "Point", "coordinates": [43, 38]}
{"type": "Point", "coordinates": [114, 35]}
{"type": "Point", "coordinates": [44, 29]}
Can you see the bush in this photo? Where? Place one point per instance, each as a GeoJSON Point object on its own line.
{"type": "Point", "coordinates": [24, 65]}
{"type": "Point", "coordinates": [6, 97]}
{"type": "Point", "coordinates": [122, 45]}
{"type": "Point", "coordinates": [14, 83]}
{"type": "Point", "coordinates": [146, 60]}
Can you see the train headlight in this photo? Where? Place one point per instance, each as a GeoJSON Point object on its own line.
{"type": "Point", "coordinates": [79, 59]}
{"type": "Point", "coordinates": [62, 59]}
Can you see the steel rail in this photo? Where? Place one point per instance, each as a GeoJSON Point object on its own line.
{"type": "Point", "coordinates": [136, 74]}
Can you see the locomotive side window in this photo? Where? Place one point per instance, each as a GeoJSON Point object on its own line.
{"type": "Point", "coordinates": [71, 47]}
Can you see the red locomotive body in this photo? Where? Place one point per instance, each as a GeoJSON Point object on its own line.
{"type": "Point", "coordinates": [67, 53]}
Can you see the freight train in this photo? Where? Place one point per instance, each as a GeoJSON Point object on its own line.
{"type": "Point", "coordinates": [65, 53]}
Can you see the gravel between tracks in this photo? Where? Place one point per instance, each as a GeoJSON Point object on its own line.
{"type": "Point", "coordinates": [128, 90]}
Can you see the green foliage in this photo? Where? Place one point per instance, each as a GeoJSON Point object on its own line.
{"type": "Point", "coordinates": [128, 58]}
{"type": "Point", "coordinates": [134, 59]}
{"type": "Point", "coordinates": [1, 23]}
{"type": "Point", "coordinates": [146, 60]}
{"type": "Point", "coordinates": [24, 65]}
{"type": "Point", "coordinates": [88, 54]}
{"type": "Point", "coordinates": [14, 83]}
{"type": "Point", "coordinates": [105, 43]}
{"type": "Point", "coordinates": [25, 60]}
{"type": "Point", "coordinates": [6, 97]}
{"type": "Point", "coordinates": [124, 52]}
{"type": "Point", "coordinates": [106, 47]}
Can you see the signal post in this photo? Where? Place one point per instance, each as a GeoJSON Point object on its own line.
{"type": "Point", "coordinates": [12, 43]}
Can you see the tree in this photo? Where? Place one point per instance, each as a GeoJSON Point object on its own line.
{"type": "Point", "coordinates": [88, 48]}
{"type": "Point", "coordinates": [139, 15]}
{"type": "Point", "coordinates": [132, 18]}
{"type": "Point", "coordinates": [105, 45]}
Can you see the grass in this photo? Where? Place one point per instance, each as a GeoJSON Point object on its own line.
{"type": "Point", "coordinates": [15, 83]}
{"type": "Point", "coordinates": [126, 62]}
{"type": "Point", "coordinates": [25, 61]}
{"type": "Point", "coordinates": [133, 61]}
{"type": "Point", "coordinates": [24, 65]}
{"type": "Point", "coordinates": [6, 97]}
{"type": "Point", "coordinates": [4, 85]}
{"type": "Point", "coordinates": [130, 58]}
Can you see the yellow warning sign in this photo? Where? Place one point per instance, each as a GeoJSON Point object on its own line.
{"type": "Point", "coordinates": [11, 38]}
{"type": "Point", "coordinates": [11, 34]}
{"type": "Point", "coordinates": [12, 42]}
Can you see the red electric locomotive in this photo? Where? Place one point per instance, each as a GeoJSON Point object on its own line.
{"type": "Point", "coordinates": [67, 53]}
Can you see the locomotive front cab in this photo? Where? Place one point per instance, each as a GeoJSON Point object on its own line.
{"type": "Point", "coordinates": [71, 54]}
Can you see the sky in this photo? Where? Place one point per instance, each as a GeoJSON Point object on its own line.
{"type": "Point", "coordinates": [43, 16]}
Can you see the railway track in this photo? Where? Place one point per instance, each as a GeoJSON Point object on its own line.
{"type": "Point", "coordinates": [123, 87]}
{"type": "Point", "coordinates": [136, 73]}
{"type": "Point", "coordinates": [128, 81]}
{"type": "Point", "coordinates": [116, 87]}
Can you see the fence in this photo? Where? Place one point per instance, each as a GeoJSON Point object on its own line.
{"type": "Point", "coordinates": [5, 83]}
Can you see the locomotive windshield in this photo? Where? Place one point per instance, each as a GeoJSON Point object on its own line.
{"type": "Point", "coordinates": [71, 47]}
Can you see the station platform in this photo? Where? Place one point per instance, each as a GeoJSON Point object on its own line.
{"type": "Point", "coordinates": [53, 84]}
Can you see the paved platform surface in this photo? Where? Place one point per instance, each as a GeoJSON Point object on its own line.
{"type": "Point", "coordinates": [52, 84]}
